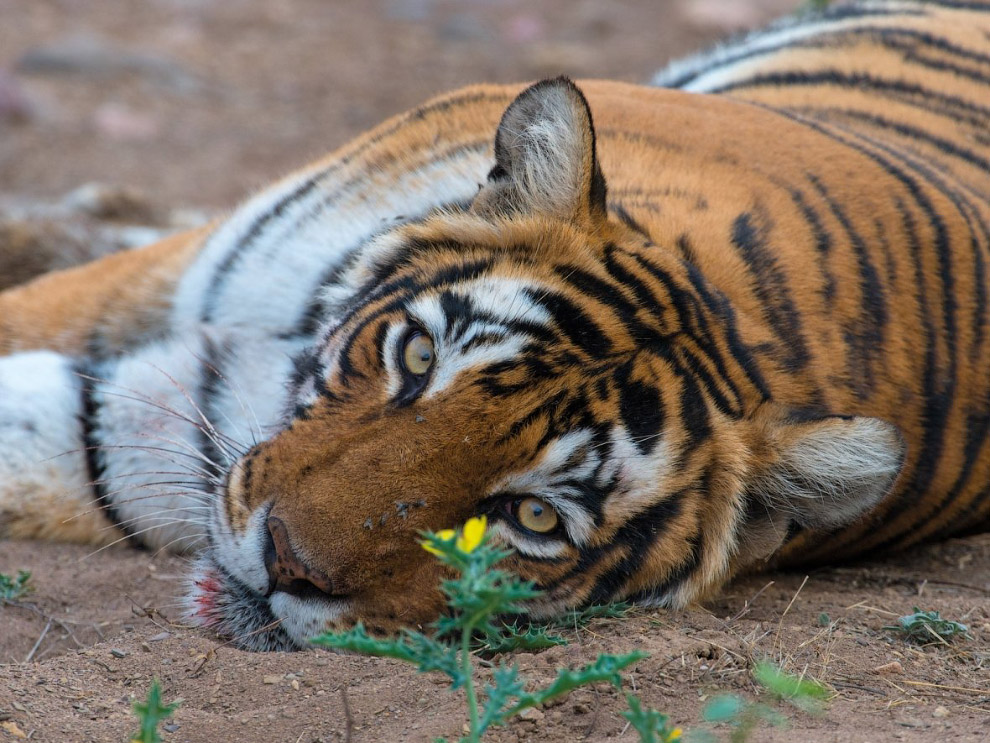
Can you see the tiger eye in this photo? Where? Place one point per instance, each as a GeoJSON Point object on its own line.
{"type": "Point", "coordinates": [417, 356]}
{"type": "Point", "coordinates": [536, 515]}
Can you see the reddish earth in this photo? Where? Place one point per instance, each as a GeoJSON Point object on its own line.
{"type": "Point", "coordinates": [194, 104]}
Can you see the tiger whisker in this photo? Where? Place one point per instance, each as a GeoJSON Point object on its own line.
{"type": "Point", "coordinates": [138, 397]}
{"type": "Point", "coordinates": [241, 401]}
{"type": "Point", "coordinates": [237, 448]}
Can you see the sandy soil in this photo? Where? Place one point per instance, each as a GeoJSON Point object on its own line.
{"type": "Point", "coordinates": [196, 102]}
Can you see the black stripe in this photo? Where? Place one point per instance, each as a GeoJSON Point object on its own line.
{"type": "Point", "coordinates": [746, 51]}
{"type": "Point", "coordinates": [211, 376]}
{"type": "Point", "coordinates": [574, 323]}
{"type": "Point", "coordinates": [242, 246]}
{"type": "Point", "coordinates": [635, 538]}
{"type": "Point", "coordinates": [822, 238]}
{"type": "Point", "coordinates": [914, 133]}
{"type": "Point", "coordinates": [865, 336]}
{"type": "Point", "coordinates": [918, 95]}
{"type": "Point", "coordinates": [640, 408]}
{"type": "Point", "coordinates": [750, 237]}
{"type": "Point", "coordinates": [95, 463]}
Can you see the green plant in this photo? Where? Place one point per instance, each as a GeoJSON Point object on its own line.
{"type": "Point", "coordinates": [924, 626]}
{"type": "Point", "coordinates": [150, 713]}
{"type": "Point", "coordinates": [476, 597]}
{"type": "Point", "coordinates": [806, 694]}
{"type": "Point", "coordinates": [652, 726]}
{"type": "Point", "coordinates": [12, 589]}
{"type": "Point", "coordinates": [743, 716]}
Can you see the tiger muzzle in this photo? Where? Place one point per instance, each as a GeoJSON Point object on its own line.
{"type": "Point", "coordinates": [286, 572]}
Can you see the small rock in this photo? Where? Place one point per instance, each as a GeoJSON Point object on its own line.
{"type": "Point", "coordinates": [160, 636]}
{"type": "Point", "coordinates": [532, 714]}
{"type": "Point", "coordinates": [146, 647]}
{"type": "Point", "coordinates": [170, 727]}
{"type": "Point", "coordinates": [295, 685]}
{"type": "Point", "coordinates": [271, 680]}
{"type": "Point", "coordinates": [13, 728]}
{"type": "Point", "coordinates": [118, 653]}
{"type": "Point", "coordinates": [111, 202]}
{"type": "Point", "coordinates": [940, 712]}
{"type": "Point", "coordinates": [121, 123]}
{"type": "Point", "coordinates": [892, 667]}
{"type": "Point", "coordinates": [14, 104]}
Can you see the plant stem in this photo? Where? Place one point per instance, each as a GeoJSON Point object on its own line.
{"type": "Point", "coordinates": [468, 671]}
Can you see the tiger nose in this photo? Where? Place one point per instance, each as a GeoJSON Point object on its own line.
{"type": "Point", "coordinates": [286, 572]}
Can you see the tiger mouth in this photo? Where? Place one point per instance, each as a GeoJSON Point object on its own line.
{"type": "Point", "coordinates": [220, 602]}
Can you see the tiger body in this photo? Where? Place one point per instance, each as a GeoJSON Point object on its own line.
{"type": "Point", "coordinates": [776, 306]}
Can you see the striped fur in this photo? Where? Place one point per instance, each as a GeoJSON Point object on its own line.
{"type": "Point", "coordinates": [742, 321]}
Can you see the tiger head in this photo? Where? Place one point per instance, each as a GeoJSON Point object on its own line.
{"type": "Point", "coordinates": [535, 361]}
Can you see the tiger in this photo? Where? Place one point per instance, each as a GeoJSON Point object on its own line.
{"type": "Point", "coordinates": [656, 335]}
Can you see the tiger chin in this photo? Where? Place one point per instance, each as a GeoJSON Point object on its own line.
{"type": "Point", "coordinates": [653, 352]}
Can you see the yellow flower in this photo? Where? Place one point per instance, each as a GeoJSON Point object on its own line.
{"type": "Point", "coordinates": [467, 541]}
{"type": "Point", "coordinates": [673, 736]}
{"type": "Point", "coordinates": [444, 535]}
{"type": "Point", "coordinates": [474, 532]}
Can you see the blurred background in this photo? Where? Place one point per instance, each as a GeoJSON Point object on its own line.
{"type": "Point", "coordinates": [198, 102]}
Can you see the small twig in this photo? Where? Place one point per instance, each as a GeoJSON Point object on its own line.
{"type": "Point", "coordinates": [37, 642]}
{"type": "Point", "coordinates": [941, 686]}
{"type": "Point", "coordinates": [348, 717]}
{"type": "Point", "coordinates": [863, 605]}
{"type": "Point", "coordinates": [793, 598]}
{"type": "Point", "coordinates": [844, 685]}
{"type": "Point", "coordinates": [747, 605]}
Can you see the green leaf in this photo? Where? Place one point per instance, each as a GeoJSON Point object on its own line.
{"type": "Point", "coordinates": [723, 708]}
{"type": "Point", "coordinates": [426, 653]}
{"type": "Point", "coordinates": [504, 637]}
{"type": "Point", "coordinates": [928, 626]}
{"type": "Point", "coordinates": [604, 668]}
{"type": "Point", "coordinates": [12, 589]}
{"type": "Point", "coordinates": [649, 723]}
{"type": "Point", "coordinates": [506, 685]}
{"type": "Point", "coordinates": [786, 685]}
{"type": "Point", "coordinates": [151, 713]}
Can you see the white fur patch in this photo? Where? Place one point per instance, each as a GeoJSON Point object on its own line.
{"type": "Point", "coordinates": [43, 475]}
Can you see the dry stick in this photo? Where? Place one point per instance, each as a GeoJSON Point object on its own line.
{"type": "Point", "coordinates": [780, 622]}
{"type": "Point", "coordinates": [747, 605]}
{"type": "Point", "coordinates": [348, 717]}
{"type": "Point", "coordinates": [863, 605]}
{"type": "Point", "coordinates": [941, 686]}
{"type": "Point", "coordinates": [37, 643]}
{"type": "Point", "coordinates": [62, 624]}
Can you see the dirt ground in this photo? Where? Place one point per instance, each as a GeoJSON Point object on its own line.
{"type": "Point", "coordinates": [184, 107]}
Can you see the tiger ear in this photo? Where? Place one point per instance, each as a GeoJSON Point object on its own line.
{"type": "Point", "coordinates": [545, 159]}
{"type": "Point", "coordinates": [823, 473]}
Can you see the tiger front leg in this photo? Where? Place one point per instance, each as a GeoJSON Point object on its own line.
{"type": "Point", "coordinates": [45, 486]}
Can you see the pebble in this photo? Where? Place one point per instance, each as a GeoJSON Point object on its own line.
{"type": "Point", "coordinates": [940, 712]}
{"type": "Point", "coordinates": [532, 714]}
{"type": "Point", "coordinates": [118, 653]}
{"type": "Point", "coordinates": [892, 667]}
{"type": "Point", "coordinates": [271, 680]}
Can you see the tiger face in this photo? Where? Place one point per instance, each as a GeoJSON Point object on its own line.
{"type": "Point", "coordinates": [532, 360]}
